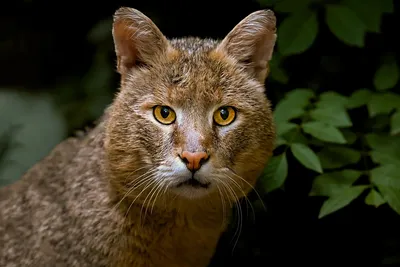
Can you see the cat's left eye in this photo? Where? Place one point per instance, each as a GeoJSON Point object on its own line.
{"type": "Point", "coordinates": [224, 116]}
{"type": "Point", "coordinates": [164, 114]}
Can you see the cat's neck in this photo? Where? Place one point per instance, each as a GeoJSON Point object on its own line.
{"type": "Point", "coordinates": [207, 212]}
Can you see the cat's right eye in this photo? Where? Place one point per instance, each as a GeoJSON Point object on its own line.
{"type": "Point", "coordinates": [164, 114]}
{"type": "Point", "coordinates": [224, 116]}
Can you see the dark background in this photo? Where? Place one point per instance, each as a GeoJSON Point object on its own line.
{"type": "Point", "coordinates": [50, 47]}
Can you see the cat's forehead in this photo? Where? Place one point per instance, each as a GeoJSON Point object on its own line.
{"type": "Point", "coordinates": [193, 45]}
{"type": "Point", "coordinates": [197, 75]}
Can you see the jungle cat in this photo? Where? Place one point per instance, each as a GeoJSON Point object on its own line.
{"type": "Point", "coordinates": [187, 134]}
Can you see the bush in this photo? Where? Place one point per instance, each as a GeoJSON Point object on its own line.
{"type": "Point", "coordinates": [350, 142]}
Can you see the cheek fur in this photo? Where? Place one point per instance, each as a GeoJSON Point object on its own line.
{"type": "Point", "coordinates": [231, 143]}
{"type": "Point", "coordinates": [154, 139]}
{"type": "Point", "coordinates": [250, 142]}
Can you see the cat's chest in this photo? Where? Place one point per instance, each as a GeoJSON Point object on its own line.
{"type": "Point", "coordinates": [179, 242]}
{"type": "Point", "coordinates": [185, 245]}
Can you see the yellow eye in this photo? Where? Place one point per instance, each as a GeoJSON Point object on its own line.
{"type": "Point", "coordinates": [164, 114]}
{"type": "Point", "coordinates": [224, 116]}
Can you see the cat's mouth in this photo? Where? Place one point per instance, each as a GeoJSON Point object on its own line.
{"type": "Point", "coordinates": [192, 182]}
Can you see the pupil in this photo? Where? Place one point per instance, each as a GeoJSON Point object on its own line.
{"type": "Point", "coordinates": [224, 113]}
{"type": "Point", "coordinates": [164, 112]}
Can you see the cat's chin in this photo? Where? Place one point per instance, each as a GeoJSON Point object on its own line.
{"type": "Point", "coordinates": [192, 189]}
{"type": "Point", "coordinates": [194, 183]}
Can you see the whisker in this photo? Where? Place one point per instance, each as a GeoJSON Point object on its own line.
{"type": "Point", "coordinates": [147, 186]}
{"type": "Point", "coordinates": [139, 182]}
{"type": "Point", "coordinates": [133, 172]}
{"type": "Point", "coordinates": [140, 176]}
{"type": "Point", "coordinates": [223, 205]}
{"type": "Point", "coordinates": [238, 212]}
{"type": "Point", "coordinates": [158, 193]}
{"type": "Point", "coordinates": [248, 202]}
{"type": "Point", "coordinates": [252, 187]}
{"type": "Point", "coordinates": [150, 194]}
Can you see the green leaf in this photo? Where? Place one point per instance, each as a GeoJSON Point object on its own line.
{"type": "Point", "coordinates": [387, 76]}
{"type": "Point", "coordinates": [359, 98]}
{"type": "Point", "coordinates": [300, 97]}
{"type": "Point", "coordinates": [383, 103]}
{"type": "Point", "coordinates": [385, 148]}
{"type": "Point", "coordinates": [341, 200]}
{"type": "Point", "coordinates": [385, 157]}
{"type": "Point", "coordinates": [387, 174]}
{"type": "Point", "coordinates": [295, 136]}
{"type": "Point", "coordinates": [334, 116]}
{"type": "Point", "coordinates": [39, 127]}
{"type": "Point", "coordinates": [293, 104]}
{"type": "Point", "coordinates": [387, 179]}
{"type": "Point", "coordinates": [283, 112]}
{"type": "Point", "coordinates": [369, 12]}
{"type": "Point", "coordinates": [374, 199]}
{"type": "Point", "coordinates": [285, 127]}
{"type": "Point", "coordinates": [391, 196]}
{"type": "Point", "coordinates": [345, 25]}
{"type": "Point", "coordinates": [306, 156]}
{"type": "Point", "coordinates": [329, 184]}
{"type": "Point", "coordinates": [332, 99]}
{"type": "Point", "coordinates": [297, 32]}
{"type": "Point", "coordinates": [289, 6]}
{"type": "Point", "coordinates": [337, 157]}
{"type": "Point", "coordinates": [275, 173]}
{"type": "Point", "coordinates": [395, 123]}
{"type": "Point", "coordinates": [324, 132]}
{"type": "Point", "coordinates": [379, 123]}
{"type": "Point", "coordinates": [349, 136]}
{"type": "Point", "coordinates": [382, 141]}
{"type": "Point", "coordinates": [277, 73]}
{"type": "Point", "coordinates": [280, 141]}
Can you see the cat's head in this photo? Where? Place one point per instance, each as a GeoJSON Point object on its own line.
{"type": "Point", "coordinates": [191, 118]}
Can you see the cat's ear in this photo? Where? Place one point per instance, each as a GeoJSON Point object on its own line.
{"type": "Point", "coordinates": [137, 39]}
{"type": "Point", "coordinates": [252, 42]}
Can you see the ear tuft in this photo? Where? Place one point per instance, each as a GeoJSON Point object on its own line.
{"type": "Point", "coordinates": [137, 39]}
{"type": "Point", "coordinates": [251, 42]}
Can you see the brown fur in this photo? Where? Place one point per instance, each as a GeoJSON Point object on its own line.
{"type": "Point", "coordinates": [104, 200]}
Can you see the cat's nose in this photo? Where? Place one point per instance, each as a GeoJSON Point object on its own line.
{"type": "Point", "coordinates": [194, 160]}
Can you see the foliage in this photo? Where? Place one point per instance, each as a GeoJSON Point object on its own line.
{"type": "Point", "coordinates": [349, 155]}
{"type": "Point", "coordinates": [84, 100]}
{"type": "Point", "coordinates": [31, 126]}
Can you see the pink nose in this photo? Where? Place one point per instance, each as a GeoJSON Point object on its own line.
{"type": "Point", "coordinates": [194, 160]}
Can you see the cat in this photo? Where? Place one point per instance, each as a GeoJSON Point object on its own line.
{"type": "Point", "coordinates": [186, 136]}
